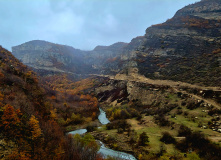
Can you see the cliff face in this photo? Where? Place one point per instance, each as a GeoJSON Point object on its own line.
{"type": "Point", "coordinates": [49, 56]}
{"type": "Point", "coordinates": [60, 58]}
{"type": "Point", "coordinates": [186, 47]}
{"type": "Point", "coordinates": [106, 59]}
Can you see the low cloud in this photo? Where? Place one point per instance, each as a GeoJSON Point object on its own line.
{"type": "Point", "coordinates": [82, 24]}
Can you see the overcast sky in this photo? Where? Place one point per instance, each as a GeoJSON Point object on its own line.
{"type": "Point", "coordinates": [82, 24]}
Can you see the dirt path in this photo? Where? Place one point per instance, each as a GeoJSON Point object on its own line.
{"type": "Point", "coordinates": [143, 79]}
{"type": "Point", "coordinates": [175, 85]}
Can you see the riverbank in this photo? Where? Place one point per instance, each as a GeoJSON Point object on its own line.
{"type": "Point", "coordinates": [119, 152]}
{"type": "Point", "coordinates": [116, 143]}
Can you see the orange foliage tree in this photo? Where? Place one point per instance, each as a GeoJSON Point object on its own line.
{"type": "Point", "coordinates": [10, 122]}
{"type": "Point", "coordinates": [35, 138]}
{"type": "Point", "coordinates": [35, 128]}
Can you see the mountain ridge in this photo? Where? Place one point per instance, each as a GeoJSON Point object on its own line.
{"type": "Point", "coordinates": [43, 54]}
{"type": "Point", "coordinates": [184, 48]}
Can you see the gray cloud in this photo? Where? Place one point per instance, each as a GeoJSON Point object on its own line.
{"type": "Point", "coordinates": [82, 24]}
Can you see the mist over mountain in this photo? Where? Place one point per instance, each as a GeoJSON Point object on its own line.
{"type": "Point", "coordinates": [82, 24]}
{"type": "Point", "coordinates": [48, 56]}
{"type": "Point", "coordinates": [156, 97]}
{"type": "Point", "coordinates": [184, 48]}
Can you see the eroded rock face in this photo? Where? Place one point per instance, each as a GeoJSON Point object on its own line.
{"type": "Point", "coordinates": [46, 55]}
{"type": "Point", "coordinates": [49, 56]}
{"type": "Point", "coordinates": [184, 48]}
{"type": "Point", "coordinates": [106, 59]}
{"type": "Point", "coordinates": [117, 92]}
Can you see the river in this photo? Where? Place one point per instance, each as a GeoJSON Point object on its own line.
{"type": "Point", "coordinates": [104, 150]}
{"type": "Point", "coordinates": [102, 117]}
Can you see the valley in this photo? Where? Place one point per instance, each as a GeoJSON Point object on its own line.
{"type": "Point", "coordinates": [157, 97]}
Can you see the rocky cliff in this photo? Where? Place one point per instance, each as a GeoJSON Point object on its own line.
{"type": "Point", "coordinates": [46, 56]}
{"type": "Point", "coordinates": [184, 48]}
{"type": "Point", "coordinates": [51, 57]}
{"type": "Point", "coordinates": [106, 59]}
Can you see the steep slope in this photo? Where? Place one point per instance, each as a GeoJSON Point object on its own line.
{"type": "Point", "coordinates": [106, 59]}
{"type": "Point", "coordinates": [47, 56]}
{"type": "Point", "coordinates": [33, 115]}
{"type": "Point", "coordinates": [184, 48]}
{"type": "Point", "coordinates": [17, 81]}
{"type": "Point", "coordinates": [25, 123]}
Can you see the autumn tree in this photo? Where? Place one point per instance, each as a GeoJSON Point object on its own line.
{"type": "Point", "coordinates": [35, 128]}
{"type": "Point", "coordinates": [53, 139]}
{"type": "Point", "coordinates": [78, 147]}
{"type": "Point", "coordinates": [35, 137]}
{"type": "Point", "coordinates": [19, 155]}
{"type": "Point", "coordinates": [1, 99]}
{"type": "Point", "coordinates": [10, 122]}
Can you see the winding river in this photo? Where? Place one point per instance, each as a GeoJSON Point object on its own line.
{"type": "Point", "coordinates": [104, 150]}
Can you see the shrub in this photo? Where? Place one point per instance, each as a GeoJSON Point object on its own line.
{"type": "Point", "coordinates": [119, 124]}
{"type": "Point", "coordinates": [61, 121]}
{"type": "Point", "coordinates": [76, 118]}
{"type": "Point", "coordinates": [179, 111]}
{"type": "Point", "coordinates": [91, 128]}
{"type": "Point", "coordinates": [184, 131]}
{"type": "Point", "coordinates": [120, 130]}
{"type": "Point", "coordinates": [143, 139]}
{"type": "Point", "coordinates": [161, 120]}
{"type": "Point", "coordinates": [167, 138]}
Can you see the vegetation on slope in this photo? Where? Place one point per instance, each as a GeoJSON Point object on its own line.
{"type": "Point", "coordinates": [29, 125]}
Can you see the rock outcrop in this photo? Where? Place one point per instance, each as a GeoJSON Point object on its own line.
{"type": "Point", "coordinates": [184, 48]}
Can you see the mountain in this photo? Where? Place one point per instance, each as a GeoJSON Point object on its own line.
{"type": "Point", "coordinates": [42, 55]}
{"type": "Point", "coordinates": [184, 48]}
{"type": "Point", "coordinates": [106, 59]}
{"type": "Point", "coordinates": [25, 125]}
{"type": "Point", "coordinates": [49, 56]}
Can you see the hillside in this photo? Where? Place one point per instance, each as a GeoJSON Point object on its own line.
{"type": "Point", "coordinates": [25, 118]}
{"type": "Point", "coordinates": [17, 81]}
{"type": "Point", "coordinates": [46, 57]}
{"type": "Point", "coordinates": [42, 55]}
{"type": "Point", "coordinates": [184, 48]}
{"type": "Point", "coordinates": [34, 116]}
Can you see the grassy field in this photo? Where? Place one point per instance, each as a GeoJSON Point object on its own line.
{"type": "Point", "coordinates": [154, 131]}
